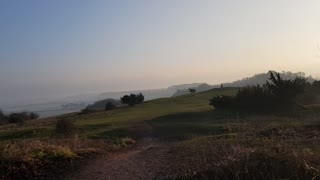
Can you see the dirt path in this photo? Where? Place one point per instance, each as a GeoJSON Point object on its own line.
{"type": "Point", "coordinates": [147, 160]}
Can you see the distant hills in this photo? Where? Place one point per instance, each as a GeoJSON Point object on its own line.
{"type": "Point", "coordinates": [97, 100]}
{"type": "Point", "coordinates": [248, 81]}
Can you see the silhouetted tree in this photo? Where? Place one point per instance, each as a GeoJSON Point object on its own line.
{"type": "Point", "coordinates": [140, 98]}
{"type": "Point", "coordinates": [316, 84]}
{"type": "Point", "coordinates": [285, 90]}
{"type": "Point", "coordinates": [18, 117]}
{"type": "Point", "coordinates": [125, 99]}
{"type": "Point", "coordinates": [192, 91]}
{"type": "Point", "coordinates": [132, 99]}
{"type": "Point", "coordinates": [110, 106]}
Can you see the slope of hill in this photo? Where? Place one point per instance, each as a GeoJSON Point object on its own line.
{"type": "Point", "coordinates": [117, 122]}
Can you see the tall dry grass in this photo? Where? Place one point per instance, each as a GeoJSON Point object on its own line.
{"type": "Point", "coordinates": [257, 151]}
{"type": "Point", "coordinates": [31, 159]}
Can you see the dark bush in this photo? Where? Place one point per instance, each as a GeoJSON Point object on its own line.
{"type": "Point", "coordinates": [3, 118]}
{"type": "Point", "coordinates": [316, 85]}
{"type": "Point", "coordinates": [18, 117]}
{"type": "Point", "coordinates": [140, 98]}
{"type": "Point", "coordinates": [132, 99]}
{"type": "Point", "coordinates": [33, 115]}
{"type": "Point", "coordinates": [222, 102]}
{"type": "Point", "coordinates": [87, 111]}
{"type": "Point", "coordinates": [65, 128]}
{"type": "Point", "coordinates": [110, 106]}
{"type": "Point", "coordinates": [253, 97]}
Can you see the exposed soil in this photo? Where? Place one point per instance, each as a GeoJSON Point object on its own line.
{"type": "Point", "coordinates": [148, 159]}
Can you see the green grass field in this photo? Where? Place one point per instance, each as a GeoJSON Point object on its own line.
{"type": "Point", "coordinates": [118, 123]}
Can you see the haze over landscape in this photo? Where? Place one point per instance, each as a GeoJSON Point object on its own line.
{"type": "Point", "coordinates": [53, 49]}
{"type": "Point", "coordinates": [166, 89]}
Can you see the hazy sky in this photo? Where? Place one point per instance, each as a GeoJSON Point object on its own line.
{"type": "Point", "coordinates": [64, 47]}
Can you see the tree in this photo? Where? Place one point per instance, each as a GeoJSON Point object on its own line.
{"type": "Point", "coordinates": [316, 84]}
{"type": "Point", "coordinates": [132, 99]}
{"type": "Point", "coordinates": [110, 106]}
{"type": "Point", "coordinates": [3, 117]}
{"type": "Point", "coordinates": [285, 90]}
{"type": "Point", "coordinates": [140, 98]}
{"type": "Point", "coordinates": [125, 99]}
{"type": "Point", "coordinates": [192, 91]}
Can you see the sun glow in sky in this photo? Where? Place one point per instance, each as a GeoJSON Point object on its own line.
{"type": "Point", "coordinates": [58, 48]}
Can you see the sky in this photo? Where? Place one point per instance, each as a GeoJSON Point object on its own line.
{"type": "Point", "coordinates": [51, 49]}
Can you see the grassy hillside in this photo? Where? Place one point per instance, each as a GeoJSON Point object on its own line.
{"type": "Point", "coordinates": [215, 144]}
{"type": "Point", "coordinates": [119, 122]}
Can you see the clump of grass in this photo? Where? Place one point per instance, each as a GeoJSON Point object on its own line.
{"type": "Point", "coordinates": [53, 152]}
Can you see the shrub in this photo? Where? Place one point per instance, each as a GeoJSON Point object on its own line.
{"type": "Point", "coordinates": [18, 117]}
{"type": "Point", "coordinates": [87, 111]}
{"type": "Point", "coordinates": [33, 115]}
{"type": "Point", "coordinates": [221, 102]}
{"type": "Point", "coordinates": [276, 94]}
{"type": "Point", "coordinates": [3, 117]}
{"type": "Point", "coordinates": [110, 106]}
{"type": "Point", "coordinates": [65, 128]}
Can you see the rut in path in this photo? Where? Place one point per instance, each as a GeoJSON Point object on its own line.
{"type": "Point", "coordinates": [148, 160]}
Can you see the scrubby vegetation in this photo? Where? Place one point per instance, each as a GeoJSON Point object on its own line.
{"type": "Point", "coordinates": [265, 151]}
{"type": "Point", "coordinates": [276, 94]}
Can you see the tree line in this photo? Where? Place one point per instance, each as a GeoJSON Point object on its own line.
{"type": "Point", "coordinates": [17, 117]}
{"type": "Point", "coordinates": [276, 93]}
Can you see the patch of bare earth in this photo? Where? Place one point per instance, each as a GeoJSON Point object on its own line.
{"type": "Point", "coordinates": [149, 159]}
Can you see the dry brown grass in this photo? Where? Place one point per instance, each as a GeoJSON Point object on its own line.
{"type": "Point", "coordinates": [38, 158]}
{"type": "Point", "coordinates": [257, 151]}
